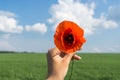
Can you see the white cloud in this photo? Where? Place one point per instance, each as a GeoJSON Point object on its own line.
{"type": "Point", "coordinates": [114, 13]}
{"type": "Point", "coordinates": [103, 22]}
{"type": "Point", "coordinates": [111, 50]}
{"type": "Point", "coordinates": [8, 23]}
{"type": "Point", "coordinates": [4, 45]}
{"type": "Point", "coordinates": [81, 13]}
{"type": "Point", "coordinates": [114, 48]}
{"type": "Point", "coordinates": [105, 1]}
{"type": "Point", "coordinates": [38, 27]}
{"type": "Point", "coordinates": [5, 36]}
{"type": "Point", "coordinates": [96, 50]}
{"type": "Point", "coordinates": [7, 13]}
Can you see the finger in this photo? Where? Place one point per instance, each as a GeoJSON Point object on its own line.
{"type": "Point", "coordinates": [53, 52]}
{"type": "Point", "coordinates": [76, 57]}
{"type": "Point", "coordinates": [68, 56]}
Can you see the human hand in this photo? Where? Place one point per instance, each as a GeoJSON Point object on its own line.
{"type": "Point", "coordinates": [58, 63]}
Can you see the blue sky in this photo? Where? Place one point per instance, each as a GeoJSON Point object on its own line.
{"type": "Point", "coordinates": [29, 25]}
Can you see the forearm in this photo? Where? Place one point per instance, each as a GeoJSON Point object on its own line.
{"type": "Point", "coordinates": [55, 74]}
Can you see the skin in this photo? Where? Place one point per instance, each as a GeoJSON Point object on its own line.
{"type": "Point", "coordinates": [58, 63]}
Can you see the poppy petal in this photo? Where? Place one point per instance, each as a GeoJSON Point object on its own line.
{"type": "Point", "coordinates": [69, 37]}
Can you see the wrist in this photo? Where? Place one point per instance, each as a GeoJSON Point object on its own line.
{"type": "Point", "coordinates": [55, 77]}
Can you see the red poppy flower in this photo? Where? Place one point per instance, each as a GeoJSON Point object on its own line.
{"type": "Point", "coordinates": [69, 37]}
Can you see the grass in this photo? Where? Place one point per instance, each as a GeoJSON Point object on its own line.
{"type": "Point", "coordinates": [22, 66]}
{"type": "Point", "coordinates": [33, 67]}
{"type": "Point", "coordinates": [97, 67]}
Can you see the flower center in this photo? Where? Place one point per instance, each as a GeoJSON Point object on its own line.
{"type": "Point", "coordinates": [68, 39]}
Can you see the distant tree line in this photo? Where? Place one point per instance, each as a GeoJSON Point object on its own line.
{"type": "Point", "coordinates": [6, 52]}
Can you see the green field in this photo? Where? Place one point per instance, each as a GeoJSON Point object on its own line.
{"type": "Point", "coordinates": [33, 67]}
